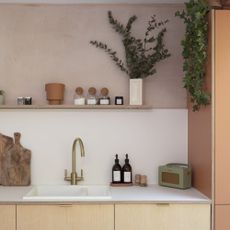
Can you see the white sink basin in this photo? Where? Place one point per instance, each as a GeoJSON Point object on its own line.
{"type": "Point", "coordinates": [68, 192]}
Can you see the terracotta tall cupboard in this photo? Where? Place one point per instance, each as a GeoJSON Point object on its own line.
{"type": "Point", "coordinates": [209, 129]}
{"type": "Point", "coordinates": [222, 120]}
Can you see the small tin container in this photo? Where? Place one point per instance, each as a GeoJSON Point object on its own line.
{"type": "Point", "coordinates": [119, 100]}
{"type": "Point", "coordinates": [20, 100]}
{"type": "Point", "coordinates": [27, 100]}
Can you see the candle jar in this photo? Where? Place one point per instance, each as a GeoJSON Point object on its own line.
{"type": "Point", "coordinates": [79, 99]}
{"type": "Point", "coordinates": [104, 98]}
{"type": "Point", "coordinates": [92, 99]}
{"type": "Point", "coordinates": [27, 100]}
{"type": "Point", "coordinates": [119, 100]}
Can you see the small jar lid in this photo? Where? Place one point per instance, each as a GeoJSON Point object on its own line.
{"type": "Point", "coordinates": [79, 90]}
{"type": "Point", "coordinates": [92, 91]}
{"type": "Point", "coordinates": [104, 92]}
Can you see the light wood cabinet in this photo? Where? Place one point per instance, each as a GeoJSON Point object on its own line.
{"type": "Point", "coordinates": [102, 217]}
{"type": "Point", "coordinates": [162, 216]}
{"type": "Point", "coordinates": [65, 217]}
{"type": "Point", "coordinates": [7, 217]}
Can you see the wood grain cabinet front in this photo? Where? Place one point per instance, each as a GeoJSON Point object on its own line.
{"type": "Point", "coordinates": [65, 217]}
{"type": "Point", "coordinates": [8, 217]}
{"type": "Point", "coordinates": [162, 217]}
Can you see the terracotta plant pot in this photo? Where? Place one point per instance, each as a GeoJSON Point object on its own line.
{"type": "Point", "coordinates": [55, 93]}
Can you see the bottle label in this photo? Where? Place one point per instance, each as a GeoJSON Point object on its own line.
{"type": "Point", "coordinates": [104, 101]}
{"type": "Point", "coordinates": [91, 101]}
{"type": "Point", "coordinates": [127, 177]}
{"type": "Point", "coordinates": [116, 176]}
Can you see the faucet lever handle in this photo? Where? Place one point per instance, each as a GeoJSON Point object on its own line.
{"type": "Point", "coordinates": [66, 173]}
{"type": "Point", "coordinates": [81, 173]}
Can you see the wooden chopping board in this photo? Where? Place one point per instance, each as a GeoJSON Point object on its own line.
{"type": "Point", "coordinates": [15, 164]}
{"type": "Point", "coordinates": [5, 143]}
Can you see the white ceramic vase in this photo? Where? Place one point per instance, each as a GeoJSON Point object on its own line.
{"type": "Point", "coordinates": [135, 91]}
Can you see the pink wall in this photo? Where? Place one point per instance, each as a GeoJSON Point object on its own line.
{"type": "Point", "coordinates": [50, 43]}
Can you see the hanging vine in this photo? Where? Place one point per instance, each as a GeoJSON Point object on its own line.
{"type": "Point", "coordinates": [195, 50]}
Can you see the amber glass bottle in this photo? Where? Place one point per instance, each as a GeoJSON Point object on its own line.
{"type": "Point", "coordinates": [116, 171]}
{"type": "Point", "coordinates": [127, 171]}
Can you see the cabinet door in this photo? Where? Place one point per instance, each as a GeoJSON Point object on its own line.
{"type": "Point", "coordinates": [222, 217]}
{"type": "Point", "coordinates": [65, 217]}
{"type": "Point", "coordinates": [222, 106]}
{"type": "Point", "coordinates": [162, 217]}
{"type": "Point", "coordinates": [7, 217]}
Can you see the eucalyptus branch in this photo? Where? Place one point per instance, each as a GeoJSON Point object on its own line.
{"type": "Point", "coordinates": [140, 60]}
{"type": "Point", "coordinates": [117, 26]}
{"type": "Point", "coordinates": [112, 55]}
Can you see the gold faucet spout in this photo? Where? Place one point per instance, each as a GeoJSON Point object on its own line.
{"type": "Point", "coordinates": [74, 154]}
{"type": "Point", "coordinates": [74, 177]}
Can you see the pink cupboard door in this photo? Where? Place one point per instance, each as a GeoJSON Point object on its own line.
{"type": "Point", "coordinates": [222, 217]}
{"type": "Point", "coordinates": [222, 110]}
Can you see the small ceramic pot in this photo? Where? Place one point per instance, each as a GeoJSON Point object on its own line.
{"type": "Point", "coordinates": [2, 97]}
{"type": "Point", "coordinates": [55, 93]}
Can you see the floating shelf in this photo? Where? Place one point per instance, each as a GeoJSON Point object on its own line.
{"type": "Point", "coordinates": [80, 107]}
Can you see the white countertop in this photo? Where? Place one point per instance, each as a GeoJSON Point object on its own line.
{"type": "Point", "coordinates": [133, 194]}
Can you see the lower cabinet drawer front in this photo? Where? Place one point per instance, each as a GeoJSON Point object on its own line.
{"type": "Point", "coordinates": [65, 217]}
{"type": "Point", "coordinates": [222, 217]}
{"type": "Point", "coordinates": [162, 217]}
{"type": "Point", "coordinates": [7, 217]}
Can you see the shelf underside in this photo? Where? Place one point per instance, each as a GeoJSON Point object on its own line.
{"type": "Point", "coordinates": [82, 107]}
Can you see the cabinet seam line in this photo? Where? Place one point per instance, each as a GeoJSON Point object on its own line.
{"type": "Point", "coordinates": [113, 217]}
{"type": "Point", "coordinates": [16, 217]}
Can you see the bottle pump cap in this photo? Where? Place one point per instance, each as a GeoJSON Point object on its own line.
{"type": "Point", "coordinates": [126, 159]}
{"type": "Point", "coordinates": [116, 160]}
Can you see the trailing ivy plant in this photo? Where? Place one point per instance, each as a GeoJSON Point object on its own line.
{"type": "Point", "coordinates": [195, 46]}
{"type": "Point", "coordinates": [141, 54]}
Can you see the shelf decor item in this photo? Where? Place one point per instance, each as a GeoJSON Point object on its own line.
{"type": "Point", "coordinates": [79, 98]}
{"type": "Point", "coordinates": [119, 100]}
{"type": "Point", "coordinates": [136, 91]}
{"type": "Point", "coordinates": [92, 96]}
{"type": "Point", "coordinates": [195, 50]}
{"type": "Point", "coordinates": [2, 97]}
{"type": "Point", "coordinates": [225, 3]}
{"type": "Point", "coordinates": [104, 97]}
{"type": "Point", "coordinates": [55, 93]}
{"type": "Point", "coordinates": [142, 55]}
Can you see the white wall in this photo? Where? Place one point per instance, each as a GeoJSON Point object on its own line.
{"type": "Point", "coordinates": [150, 138]}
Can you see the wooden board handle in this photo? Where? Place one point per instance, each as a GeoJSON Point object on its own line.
{"type": "Point", "coordinates": [17, 137]}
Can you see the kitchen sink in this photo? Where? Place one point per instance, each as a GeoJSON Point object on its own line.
{"type": "Point", "coordinates": [68, 192]}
